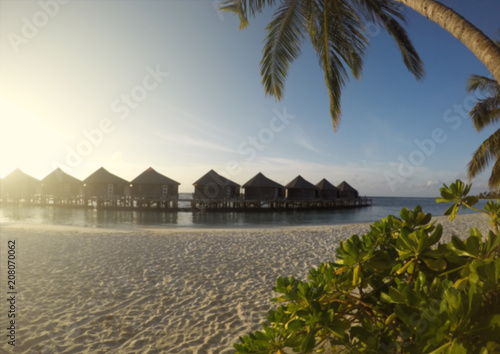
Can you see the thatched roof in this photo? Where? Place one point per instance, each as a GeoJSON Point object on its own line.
{"type": "Point", "coordinates": [212, 177]}
{"type": "Point", "coordinates": [150, 176]}
{"type": "Point", "coordinates": [345, 187]}
{"type": "Point", "coordinates": [59, 176]}
{"type": "Point", "coordinates": [19, 177]}
{"type": "Point", "coordinates": [300, 183]}
{"type": "Point", "coordinates": [324, 185]}
{"type": "Point", "coordinates": [103, 176]}
{"type": "Point", "coordinates": [261, 181]}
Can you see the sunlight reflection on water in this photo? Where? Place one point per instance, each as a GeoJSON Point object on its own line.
{"type": "Point", "coordinates": [382, 206]}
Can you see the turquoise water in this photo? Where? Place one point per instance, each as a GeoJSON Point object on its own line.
{"type": "Point", "coordinates": [382, 206]}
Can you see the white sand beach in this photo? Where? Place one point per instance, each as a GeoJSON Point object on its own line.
{"type": "Point", "coordinates": [152, 290]}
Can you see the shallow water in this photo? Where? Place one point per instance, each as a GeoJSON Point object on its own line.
{"type": "Point", "coordinates": [382, 206]}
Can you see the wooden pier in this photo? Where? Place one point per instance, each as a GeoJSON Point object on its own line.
{"type": "Point", "coordinates": [108, 203]}
{"type": "Point", "coordinates": [186, 205]}
{"type": "Point", "coordinates": [244, 205]}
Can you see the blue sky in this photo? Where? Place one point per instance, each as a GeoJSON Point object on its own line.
{"type": "Point", "coordinates": [176, 86]}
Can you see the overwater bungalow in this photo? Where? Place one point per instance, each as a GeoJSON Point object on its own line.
{"type": "Point", "coordinates": [326, 190]}
{"type": "Point", "coordinates": [153, 185]}
{"type": "Point", "coordinates": [300, 189]}
{"type": "Point", "coordinates": [346, 191]}
{"type": "Point", "coordinates": [262, 188]}
{"type": "Point", "coordinates": [105, 185]}
{"type": "Point", "coordinates": [216, 187]}
{"type": "Point", "coordinates": [154, 191]}
{"type": "Point", "coordinates": [18, 186]}
{"type": "Point", "coordinates": [58, 184]}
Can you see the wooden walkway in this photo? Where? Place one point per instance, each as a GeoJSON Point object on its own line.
{"type": "Point", "coordinates": [274, 205]}
{"type": "Point", "coordinates": [187, 205]}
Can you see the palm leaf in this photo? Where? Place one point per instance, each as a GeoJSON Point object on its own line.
{"type": "Point", "coordinates": [489, 150]}
{"type": "Point", "coordinates": [485, 112]}
{"type": "Point", "coordinates": [484, 85]}
{"type": "Point", "coordinates": [494, 181]}
{"type": "Point", "coordinates": [245, 8]}
{"type": "Point", "coordinates": [339, 42]}
{"type": "Point", "coordinates": [282, 46]}
{"type": "Point", "coordinates": [338, 35]}
{"type": "Point", "coordinates": [387, 13]}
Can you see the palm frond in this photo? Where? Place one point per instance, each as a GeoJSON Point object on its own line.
{"type": "Point", "coordinates": [337, 32]}
{"type": "Point", "coordinates": [388, 13]}
{"type": "Point", "coordinates": [340, 42]}
{"type": "Point", "coordinates": [485, 112]}
{"type": "Point", "coordinates": [494, 181]}
{"type": "Point", "coordinates": [312, 15]}
{"type": "Point", "coordinates": [484, 85]}
{"type": "Point", "coordinates": [489, 150]}
{"type": "Point", "coordinates": [245, 8]}
{"type": "Point", "coordinates": [282, 46]}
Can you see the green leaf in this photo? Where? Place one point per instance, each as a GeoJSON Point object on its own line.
{"type": "Point", "coordinates": [436, 235]}
{"type": "Point", "coordinates": [424, 219]}
{"type": "Point", "coordinates": [471, 200]}
{"type": "Point", "coordinates": [452, 211]}
{"type": "Point", "coordinates": [360, 333]}
{"type": "Point", "coordinates": [472, 244]}
{"type": "Point", "coordinates": [442, 348]}
{"type": "Point", "coordinates": [458, 247]}
{"type": "Point", "coordinates": [457, 348]}
{"type": "Point", "coordinates": [493, 346]}
{"type": "Point", "coordinates": [339, 328]}
{"type": "Point", "coordinates": [396, 296]}
{"type": "Point", "coordinates": [295, 325]}
{"type": "Point", "coordinates": [495, 322]}
{"type": "Point", "coordinates": [435, 264]}
{"type": "Point", "coordinates": [308, 342]}
{"type": "Point", "coordinates": [457, 193]}
{"type": "Point", "coordinates": [460, 284]}
{"type": "Point", "coordinates": [356, 279]}
{"type": "Point", "coordinates": [493, 242]}
{"type": "Point", "coordinates": [405, 267]}
{"type": "Point", "coordinates": [405, 214]}
{"type": "Point", "coordinates": [411, 268]}
{"type": "Point", "coordinates": [380, 262]}
{"type": "Point", "coordinates": [492, 207]}
{"type": "Point", "coordinates": [390, 318]}
{"type": "Point", "coordinates": [385, 297]}
{"type": "Point", "coordinates": [406, 242]}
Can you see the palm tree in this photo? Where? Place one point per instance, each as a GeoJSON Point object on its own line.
{"type": "Point", "coordinates": [336, 29]}
{"type": "Point", "coordinates": [485, 112]}
{"type": "Point", "coordinates": [474, 39]}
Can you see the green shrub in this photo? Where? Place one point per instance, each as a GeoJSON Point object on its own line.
{"type": "Point", "coordinates": [395, 289]}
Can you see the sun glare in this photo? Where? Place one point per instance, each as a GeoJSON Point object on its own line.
{"type": "Point", "coordinates": [26, 140]}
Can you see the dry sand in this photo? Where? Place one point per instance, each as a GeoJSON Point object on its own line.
{"type": "Point", "coordinates": [156, 290]}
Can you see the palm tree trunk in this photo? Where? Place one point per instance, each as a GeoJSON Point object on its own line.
{"type": "Point", "coordinates": [477, 42]}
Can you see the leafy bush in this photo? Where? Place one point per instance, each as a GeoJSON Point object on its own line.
{"type": "Point", "coordinates": [395, 289]}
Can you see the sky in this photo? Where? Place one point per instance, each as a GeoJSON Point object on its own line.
{"type": "Point", "coordinates": [175, 85]}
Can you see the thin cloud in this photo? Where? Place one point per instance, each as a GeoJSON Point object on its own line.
{"type": "Point", "coordinates": [198, 124]}
{"type": "Point", "coordinates": [191, 142]}
{"type": "Point", "coordinates": [306, 143]}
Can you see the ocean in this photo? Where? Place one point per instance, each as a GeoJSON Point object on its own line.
{"type": "Point", "coordinates": [381, 207]}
